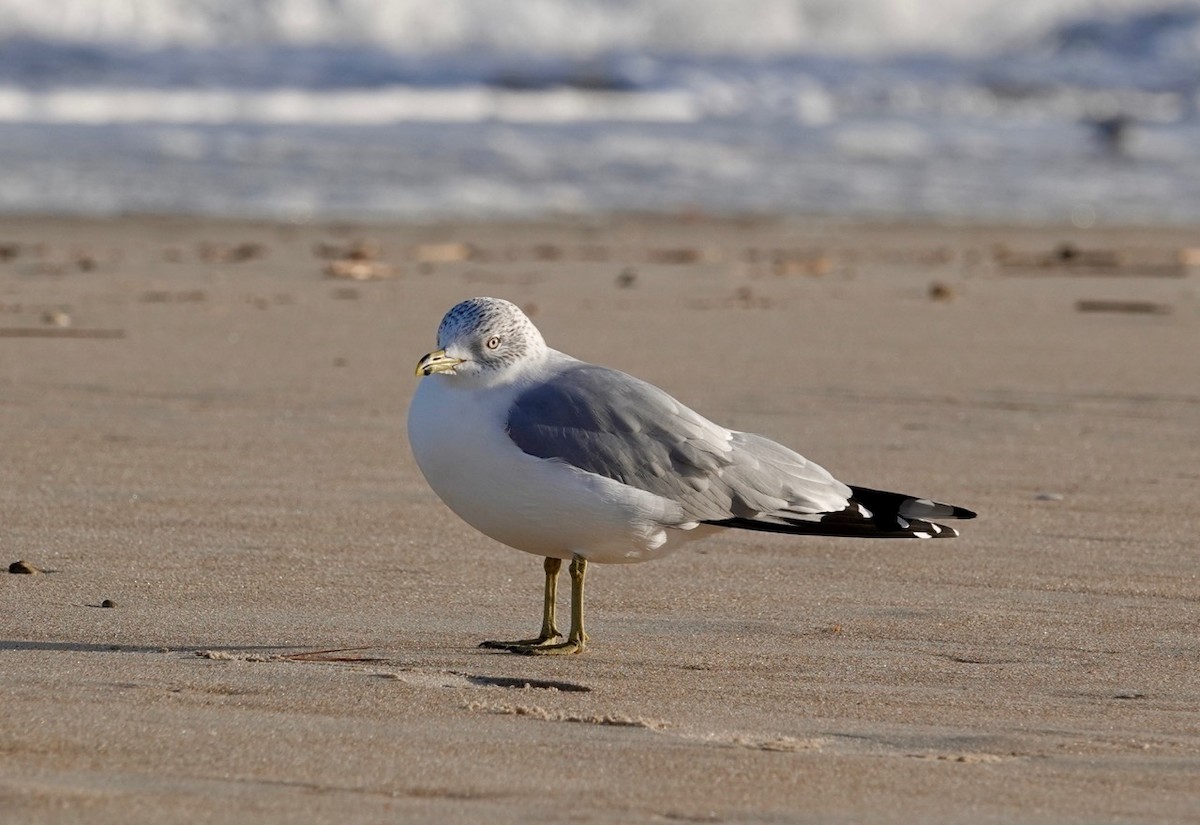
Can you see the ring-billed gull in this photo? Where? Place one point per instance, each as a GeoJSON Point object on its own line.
{"type": "Point", "coordinates": [569, 460]}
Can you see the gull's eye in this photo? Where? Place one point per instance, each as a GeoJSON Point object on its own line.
{"type": "Point", "coordinates": [493, 342]}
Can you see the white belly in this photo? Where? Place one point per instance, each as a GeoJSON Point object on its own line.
{"type": "Point", "coordinates": [533, 504]}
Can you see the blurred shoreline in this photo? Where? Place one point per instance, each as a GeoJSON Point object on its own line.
{"type": "Point", "coordinates": [1071, 111]}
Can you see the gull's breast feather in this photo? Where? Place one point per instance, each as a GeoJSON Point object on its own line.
{"type": "Point", "coordinates": [541, 506]}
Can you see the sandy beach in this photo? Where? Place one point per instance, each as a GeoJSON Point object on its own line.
{"type": "Point", "coordinates": [204, 424]}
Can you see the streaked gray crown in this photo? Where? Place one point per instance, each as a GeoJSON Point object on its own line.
{"type": "Point", "coordinates": [471, 323]}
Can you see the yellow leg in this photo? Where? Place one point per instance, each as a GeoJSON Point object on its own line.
{"type": "Point", "coordinates": [549, 632]}
{"type": "Point", "coordinates": [577, 638]}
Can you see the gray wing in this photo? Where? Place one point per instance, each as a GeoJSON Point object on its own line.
{"type": "Point", "coordinates": [614, 425]}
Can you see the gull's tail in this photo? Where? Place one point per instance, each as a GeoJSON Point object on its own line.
{"type": "Point", "coordinates": [870, 514]}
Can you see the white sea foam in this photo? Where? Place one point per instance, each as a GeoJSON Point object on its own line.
{"type": "Point", "coordinates": [367, 107]}
{"type": "Point", "coordinates": [1016, 109]}
{"type": "Point", "coordinates": [698, 27]}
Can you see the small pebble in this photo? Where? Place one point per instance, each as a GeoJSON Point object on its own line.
{"type": "Point", "coordinates": [360, 269]}
{"type": "Point", "coordinates": [108, 603]}
{"type": "Point", "coordinates": [939, 291]}
{"type": "Point", "coordinates": [22, 567]}
{"type": "Point", "coordinates": [674, 256]}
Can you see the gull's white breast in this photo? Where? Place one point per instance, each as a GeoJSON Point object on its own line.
{"type": "Point", "coordinates": [537, 505]}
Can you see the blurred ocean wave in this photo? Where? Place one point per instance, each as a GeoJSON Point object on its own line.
{"type": "Point", "coordinates": [967, 109]}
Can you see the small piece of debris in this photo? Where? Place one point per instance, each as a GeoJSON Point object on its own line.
{"type": "Point", "coordinates": [674, 256]}
{"type": "Point", "coordinates": [1129, 694]}
{"type": "Point", "coordinates": [361, 249]}
{"type": "Point", "coordinates": [223, 656]}
{"type": "Point", "coordinates": [23, 567]}
{"type": "Point", "coordinates": [108, 603]}
{"type": "Point", "coordinates": [967, 758]}
{"type": "Point", "coordinates": [1069, 259]}
{"type": "Point", "coordinates": [744, 297]}
{"type": "Point", "coordinates": [443, 253]}
{"type": "Point", "coordinates": [939, 291]}
{"type": "Point", "coordinates": [1069, 253]}
{"type": "Point", "coordinates": [1129, 307]}
{"type": "Point", "coordinates": [353, 269]}
{"type": "Point", "coordinates": [786, 264]}
{"type": "Point", "coordinates": [627, 278]}
{"type": "Point", "coordinates": [230, 254]}
{"type": "Point", "coordinates": [1048, 497]}
{"type": "Point", "coordinates": [56, 318]}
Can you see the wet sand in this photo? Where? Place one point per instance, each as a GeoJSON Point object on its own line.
{"type": "Point", "coordinates": [204, 428]}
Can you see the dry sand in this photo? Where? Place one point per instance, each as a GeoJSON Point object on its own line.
{"type": "Point", "coordinates": [201, 427]}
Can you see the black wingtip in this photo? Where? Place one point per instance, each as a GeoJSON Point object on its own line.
{"type": "Point", "coordinates": [846, 524]}
{"type": "Point", "coordinates": [883, 503]}
{"type": "Point", "coordinates": [869, 514]}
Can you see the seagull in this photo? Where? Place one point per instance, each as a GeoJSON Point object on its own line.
{"type": "Point", "coordinates": [572, 461]}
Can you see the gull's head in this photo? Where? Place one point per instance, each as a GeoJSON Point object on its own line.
{"type": "Point", "coordinates": [483, 337]}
